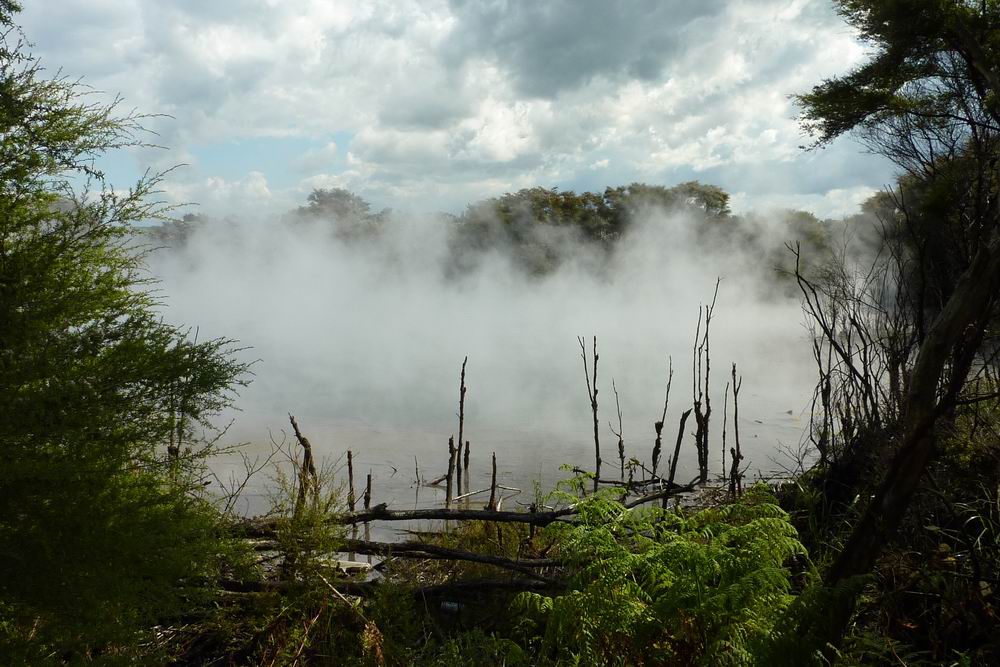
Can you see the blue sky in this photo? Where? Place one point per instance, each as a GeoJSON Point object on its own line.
{"type": "Point", "coordinates": [428, 105]}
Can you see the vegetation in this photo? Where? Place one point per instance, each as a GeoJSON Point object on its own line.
{"type": "Point", "coordinates": [102, 531]}
{"type": "Point", "coordinates": [887, 548]}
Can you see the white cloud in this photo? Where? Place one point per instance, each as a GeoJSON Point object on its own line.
{"type": "Point", "coordinates": [441, 97]}
{"type": "Point", "coordinates": [217, 195]}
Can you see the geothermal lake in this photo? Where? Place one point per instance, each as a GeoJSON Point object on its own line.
{"type": "Point", "coordinates": [364, 345]}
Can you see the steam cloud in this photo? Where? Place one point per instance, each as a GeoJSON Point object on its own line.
{"type": "Point", "coordinates": [363, 342]}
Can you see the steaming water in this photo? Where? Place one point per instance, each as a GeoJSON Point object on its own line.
{"type": "Point", "coordinates": [364, 344]}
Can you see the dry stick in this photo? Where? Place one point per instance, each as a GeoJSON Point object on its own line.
{"type": "Point", "coordinates": [696, 388]}
{"type": "Point", "coordinates": [618, 434]}
{"type": "Point", "coordinates": [492, 505]}
{"type": "Point", "coordinates": [451, 470]}
{"type": "Point", "coordinates": [466, 463]}
{"type": "Point", "coordinates": [677, 447]}
{"type": "Point", "coordinates": [592, 395]}
{"type": "Point", "coordinates": [658, 426]}
{"type": "Point", "coordinates": [461, 422]}
{"type": "Point", "coordinates": [368, 504]}
{"type": "Point", "coordinates": [709, 310]}
{"type": "Point", "coordinates": [735, 481]}
{"type": "Point", "coordinates": [725, 414]}
{"type": "Point", "coordinates": [470, 494]}
{"type": "Point", "coordinates": [351, 499]}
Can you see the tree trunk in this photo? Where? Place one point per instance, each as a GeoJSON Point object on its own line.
{"type": "Point", "coordinates": [967, 307]}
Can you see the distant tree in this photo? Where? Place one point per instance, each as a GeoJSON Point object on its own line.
{"type": "Point", "coordinates": [102, 530]}
{"type": "Point", "coordinates": [690, 197]}
{"type": "Point", "coordinates": [542, 226]}
{"type": "Point", "coordinates": [348, 214]}
{"type": "Point", "coordinates": [335, 202]}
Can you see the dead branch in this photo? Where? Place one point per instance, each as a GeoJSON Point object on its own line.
{"type": "Point", "coordinates": [677, 446]}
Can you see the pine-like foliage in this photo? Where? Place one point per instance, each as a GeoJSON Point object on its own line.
{"type": "Point", "coordinates": [102, 531]}
{"type": "Point", "coordinates": [658, 587]}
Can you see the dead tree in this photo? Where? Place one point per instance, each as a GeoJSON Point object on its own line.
{"type": "Point", "coordinates": [725, 415]}
{"type": "Point", "coordinates": [658, 426]}
{"type": "Point", "coordinates": [492, 504]}
{"type": "Point", "coordinates": [701, 356]}
{"type": "Point", "coordinates": [308, 478]}
{"type": "Point", "coordinates": [449, 490]}
{"type": "Point", "coordinates": [461, 424]}
{"type": "Point", "coordinates": [592, 395]}
{"type": "Point", "coordinates": [735, 475]}
{"type": "Point", "coordinates": [351, 499]}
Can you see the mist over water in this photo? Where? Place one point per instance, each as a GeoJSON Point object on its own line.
{"type": "Point", "coordinates": [364, 341]}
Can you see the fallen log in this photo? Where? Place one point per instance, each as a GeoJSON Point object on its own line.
{"type": "Point", "coordinates": [433, 551]}
{"type": "Point", "coordinates": [367, 588]}
{"type": "Point", "coordinates": [266, 526]}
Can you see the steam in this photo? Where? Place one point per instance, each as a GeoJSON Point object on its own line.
{"type": "Point", "coordinates": [363, 342]}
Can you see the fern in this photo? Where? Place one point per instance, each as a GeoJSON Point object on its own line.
{"type": "Point", "coordinates": [658, 587]}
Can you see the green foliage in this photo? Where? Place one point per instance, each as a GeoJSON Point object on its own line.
{"type": "Point", "coordinates": [478, 649]}
{"type": "Point", "coordinates": [915, 44]}
{"type": "Point", "coordinates": [655, 587]}
{"type": "Point", "coordinates": [542, 227]}
{"type": "Point", "coordinates": [348, 215]}
{"type": "Point", "coordinates": [102, 527]}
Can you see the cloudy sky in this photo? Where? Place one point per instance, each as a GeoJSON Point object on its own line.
{"type": "Point", "coordinates": [427, 105]}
